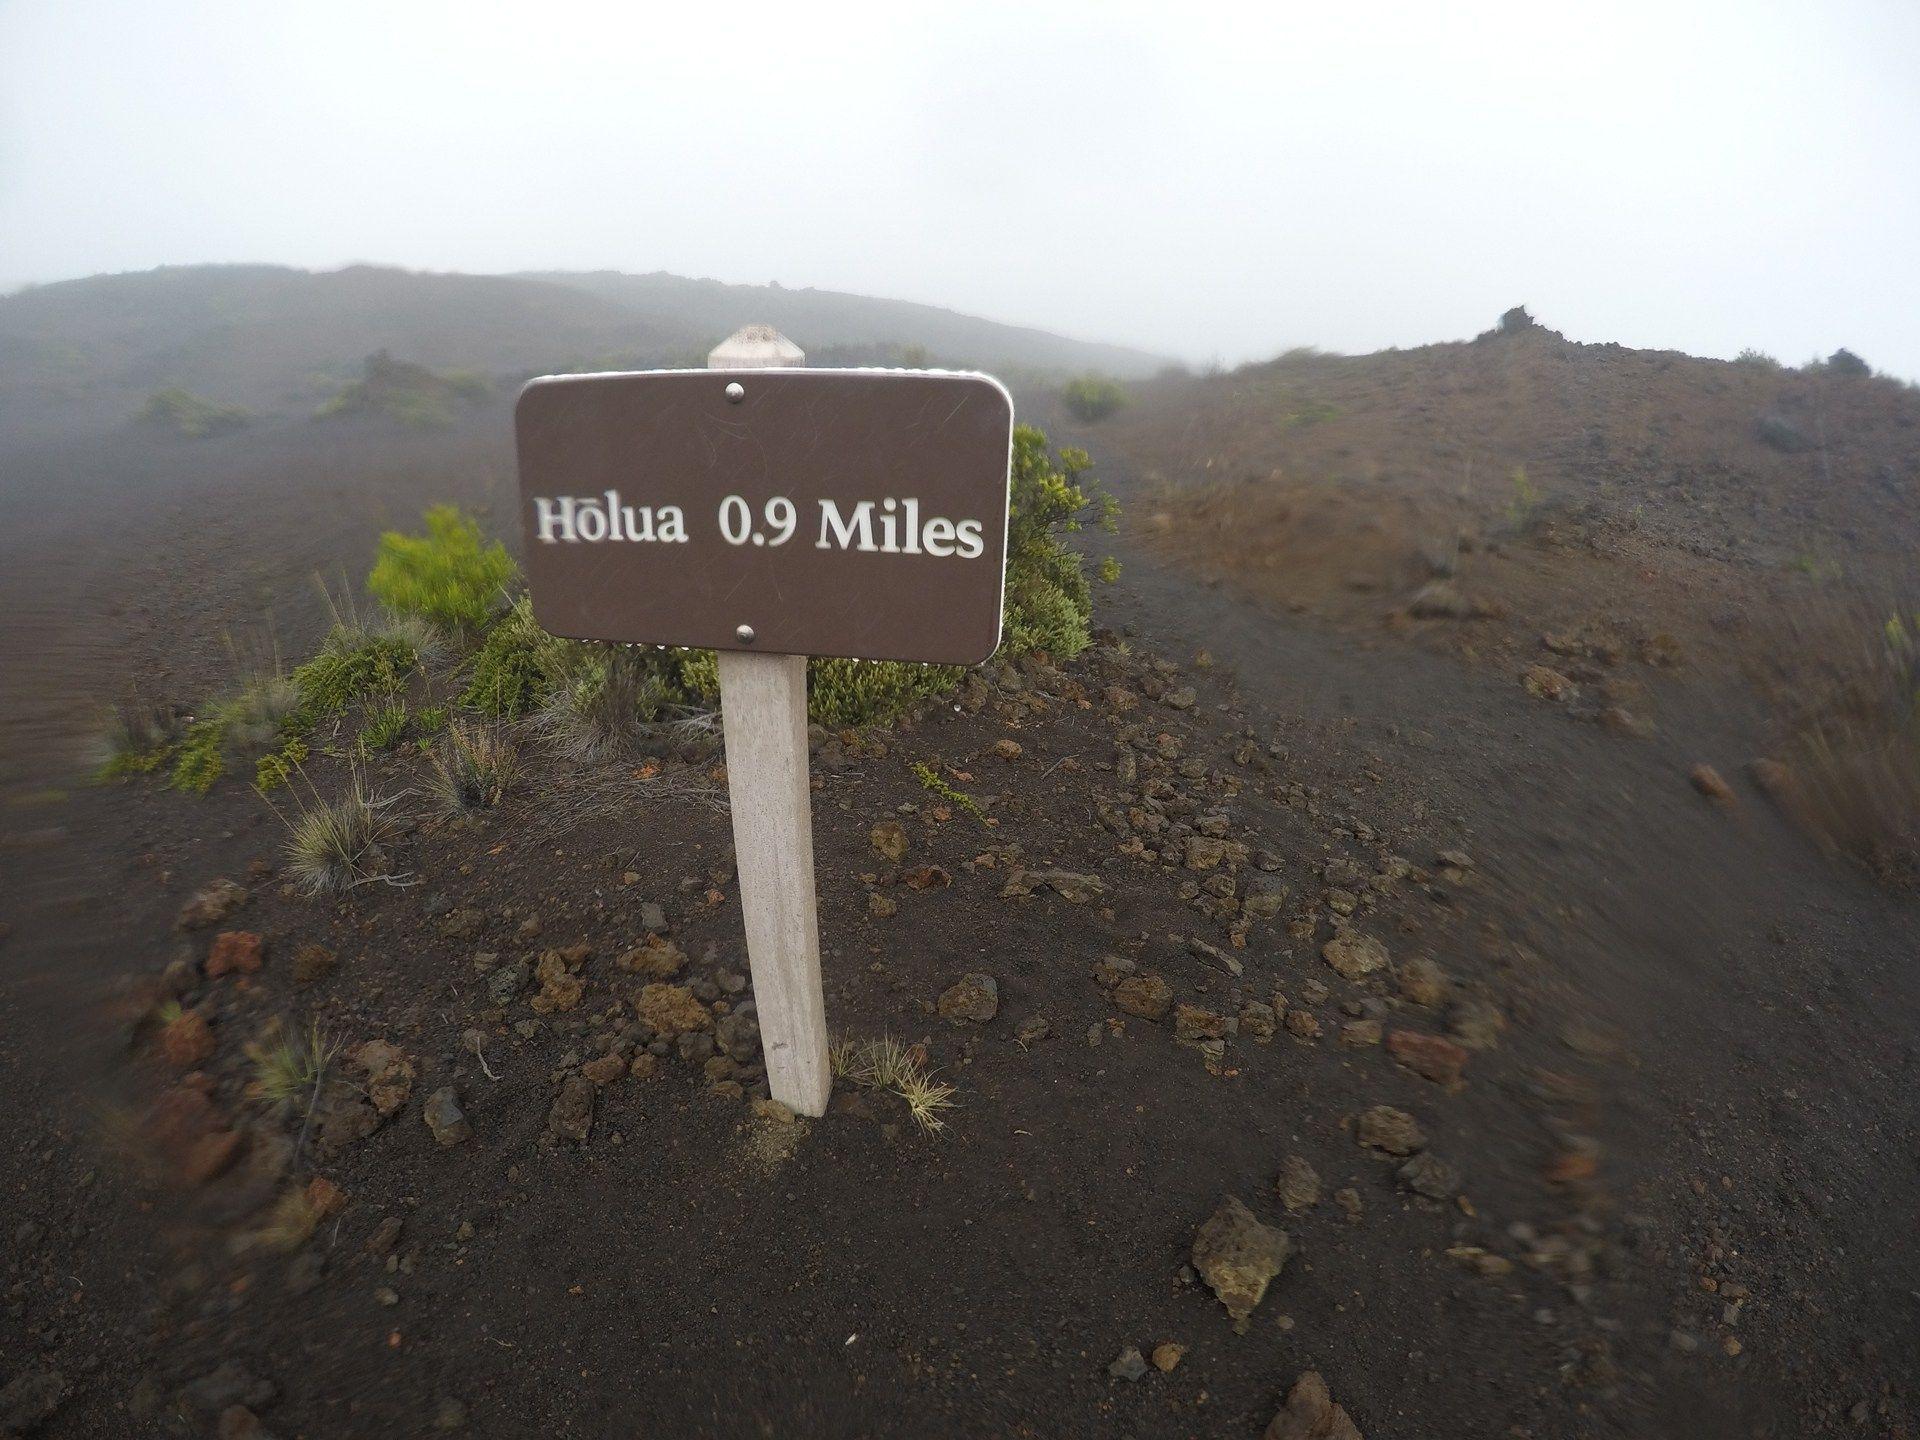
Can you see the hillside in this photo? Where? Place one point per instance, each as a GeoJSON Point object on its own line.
{"type": "Point", "coordinates": [827, 321]}
{"type": "Point", "coordinates": [276, 339]}
{"type": "Point", "coordinates": [1539, 481]}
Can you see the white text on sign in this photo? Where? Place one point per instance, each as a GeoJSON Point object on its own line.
{"type": "Point", "coordinates": [886, 527]}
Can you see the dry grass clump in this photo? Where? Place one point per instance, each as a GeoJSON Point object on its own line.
{"type": "Point", "coordinates": [1844, 679]}
{"type": "Point", "coordinates": [291, 1067]}
{"type": "Point", "coordinates": [886, 1064]}
{"type": "Point", "coordinates": [472, 767]}
{"type": "Point", "coordinates": [336, 845]}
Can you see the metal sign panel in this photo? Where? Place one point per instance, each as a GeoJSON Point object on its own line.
{"type": "Point", "coordinates": [798, 512]}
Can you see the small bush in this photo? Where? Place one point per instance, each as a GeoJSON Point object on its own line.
{"type": "Point", "coordinates": [400, 390]}
{"type": "Point", "coordinates": [273, 771]}
{"type": "Point", "coordinates": [1845, 363]}
{"type": "Point", "coordinates": [448, 575]}
{"type": "Point", "coordinates": [510, 676]}
{"type": "Point", "coordinates": [844, 692]}
{"type": "Point", "coordinates": [351, 666]}
{"type": "Point", "coordinates": [193, 416]}
{"type": "Point", "coordinates": [1844, 678]}
{"type": "Point", "coordinates": [1758, 359]}
{"type": "Point", "coordinates": [1092, 397]}
{"type": "Point", "coordinates": [472, 768]}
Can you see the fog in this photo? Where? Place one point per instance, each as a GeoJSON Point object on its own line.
{"type": "Point", "coordinates": [1214, 182]}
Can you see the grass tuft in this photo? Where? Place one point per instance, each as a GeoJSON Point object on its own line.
{"type": "Point", "coordinates": [291, 1068]}
{"type": "Point", "coordinates": [886, 1064]}
{"type": "Point", "coordinates": [336, 845]}
{"type": "Point", "coordinates": [472, 767]}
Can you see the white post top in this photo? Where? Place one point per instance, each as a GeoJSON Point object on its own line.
{"type": "Point", "coordinates": [755, 347]}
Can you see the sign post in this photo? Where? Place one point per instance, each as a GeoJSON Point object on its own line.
{"type": "Point", "coordinates": [763, 717]}
{"type": "Point", "coordinates": [770, 512]}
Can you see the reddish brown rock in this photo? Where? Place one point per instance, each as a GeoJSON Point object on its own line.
{"type": "Point", "coordinates": [672, 1010]}
{"type": "Point", "coordinates": [235, 952]}
{"type": "Point", "coordinates": [926, 877]}
{"type": "Point", "coordinates": [1433, 1056]}
{"type": "Point", "coordinates": [605, 1069]}
{"type": "Point", "coordinates": [655, 958]}
{"type": "Point", "coordinates": [187, 1040]}
{"type": "Point", "coordinates": [1707, 781]}
{"type": "Point", "coordinates": [312, 963]}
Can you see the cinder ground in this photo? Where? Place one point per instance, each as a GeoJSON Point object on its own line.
{"type": "Point", "coordinates": [1668, 1179]}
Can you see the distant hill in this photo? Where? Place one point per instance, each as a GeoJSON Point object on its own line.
{"type": "Point", "coordinates": [278, 340]}
{"type": "Point", "coordinates": [828, 321]}
{"type": "Point", "coordinates": [1556, 484]}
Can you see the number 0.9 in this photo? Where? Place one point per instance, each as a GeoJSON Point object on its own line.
{"type": "Point", "coordinates": [736, 520]}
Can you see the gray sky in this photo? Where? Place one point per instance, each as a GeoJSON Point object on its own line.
{"type": "Point", "coordinates": [1209, 180]}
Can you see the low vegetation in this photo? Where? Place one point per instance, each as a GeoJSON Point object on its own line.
{"type": "Point", "coordinates": [472, 765]}
{"type": "Point", "coordinates": [449, 634]}
{"type": "Point", "coordinates": [194, 416]}
{"type": "Point", "coordinates": [335, 845]}
{"type": "Point", "coordinates": [404, 392]}
{"type": "Point", "coordinates": [1844, 678]}
{"type": "Point", "coordinates": [1092, 397]}
{"type": "Point", "coordinates": [887, 1065]}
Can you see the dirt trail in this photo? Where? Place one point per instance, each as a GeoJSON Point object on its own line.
{"type": "Point", "coordinates": [1764, 1000]}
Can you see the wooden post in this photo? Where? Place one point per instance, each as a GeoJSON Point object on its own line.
{"type": "Point", "coordinates": [763, 709]}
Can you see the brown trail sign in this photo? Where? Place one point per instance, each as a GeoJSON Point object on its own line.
{"type": "Point", "coordinates": [770, 514]}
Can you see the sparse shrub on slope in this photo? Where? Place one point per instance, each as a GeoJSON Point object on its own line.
{"type": "Point", "coordinates": [194, 416]}
{"type": "Point", "coordinates": [449, 575]}
{"type": "Point", "coordinates": [409, 393]}
{"type": "Point", "coordinates": [1844, 678]}
{"type": "Point", "coordinates": [1845, 363]}
{"type": "Point", "coordinates": [1092, 397]}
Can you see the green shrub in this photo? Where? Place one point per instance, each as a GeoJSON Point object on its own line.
{"type": "Point", "coordinates": [1092, 397]}
{"type": "Point", "coordinates": [194, 416]}
{"type": "Point", "coordinates": [858, 692]}
{"type": "Point", "coordinates": [273, 771]}
{"type": "Point", "coordinates": [448, 575]}
{"type": "Point", "coordinates": [201, 757]}
{"type": "Point", "coordinates": [138, 738]}
{"type": "Point", "coordinates": [510, 675]}
{"type": "Point", "coordinates": [348, 667]}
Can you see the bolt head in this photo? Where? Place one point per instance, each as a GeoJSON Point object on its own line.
{"type": "Point", "coordinates": [743, 633]}
{"type": "Point", "coordinates": [736, 392]}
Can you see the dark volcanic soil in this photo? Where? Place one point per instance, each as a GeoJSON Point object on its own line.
{"type": "Point", "coordinates": [1685, 1157]}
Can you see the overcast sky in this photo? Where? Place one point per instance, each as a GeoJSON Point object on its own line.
{"type": "Point", "coordinates": [1208, 180]}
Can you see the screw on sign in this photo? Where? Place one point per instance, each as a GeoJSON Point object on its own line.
{"type": "Point", "coordinates": [774, 514]}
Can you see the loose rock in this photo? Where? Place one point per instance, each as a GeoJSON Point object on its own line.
{"type": "Point", "coordinates": [1386, 1129]}
{"type": "Point", "coordinates": [974, 998]}
{"type": "Point", "coordinates": [1310, 1414]}
{"type": "Point", "coordinates": [445, 1118]}
{"type": "Point", "coordinates": [1354, 956]}
{"type": "Point", "coordinates": [1238, 1256]}
{"type": "Point", "coordinates": [1147, 996]}
{"type": "Point", "coordinates": [1298, 1185]}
